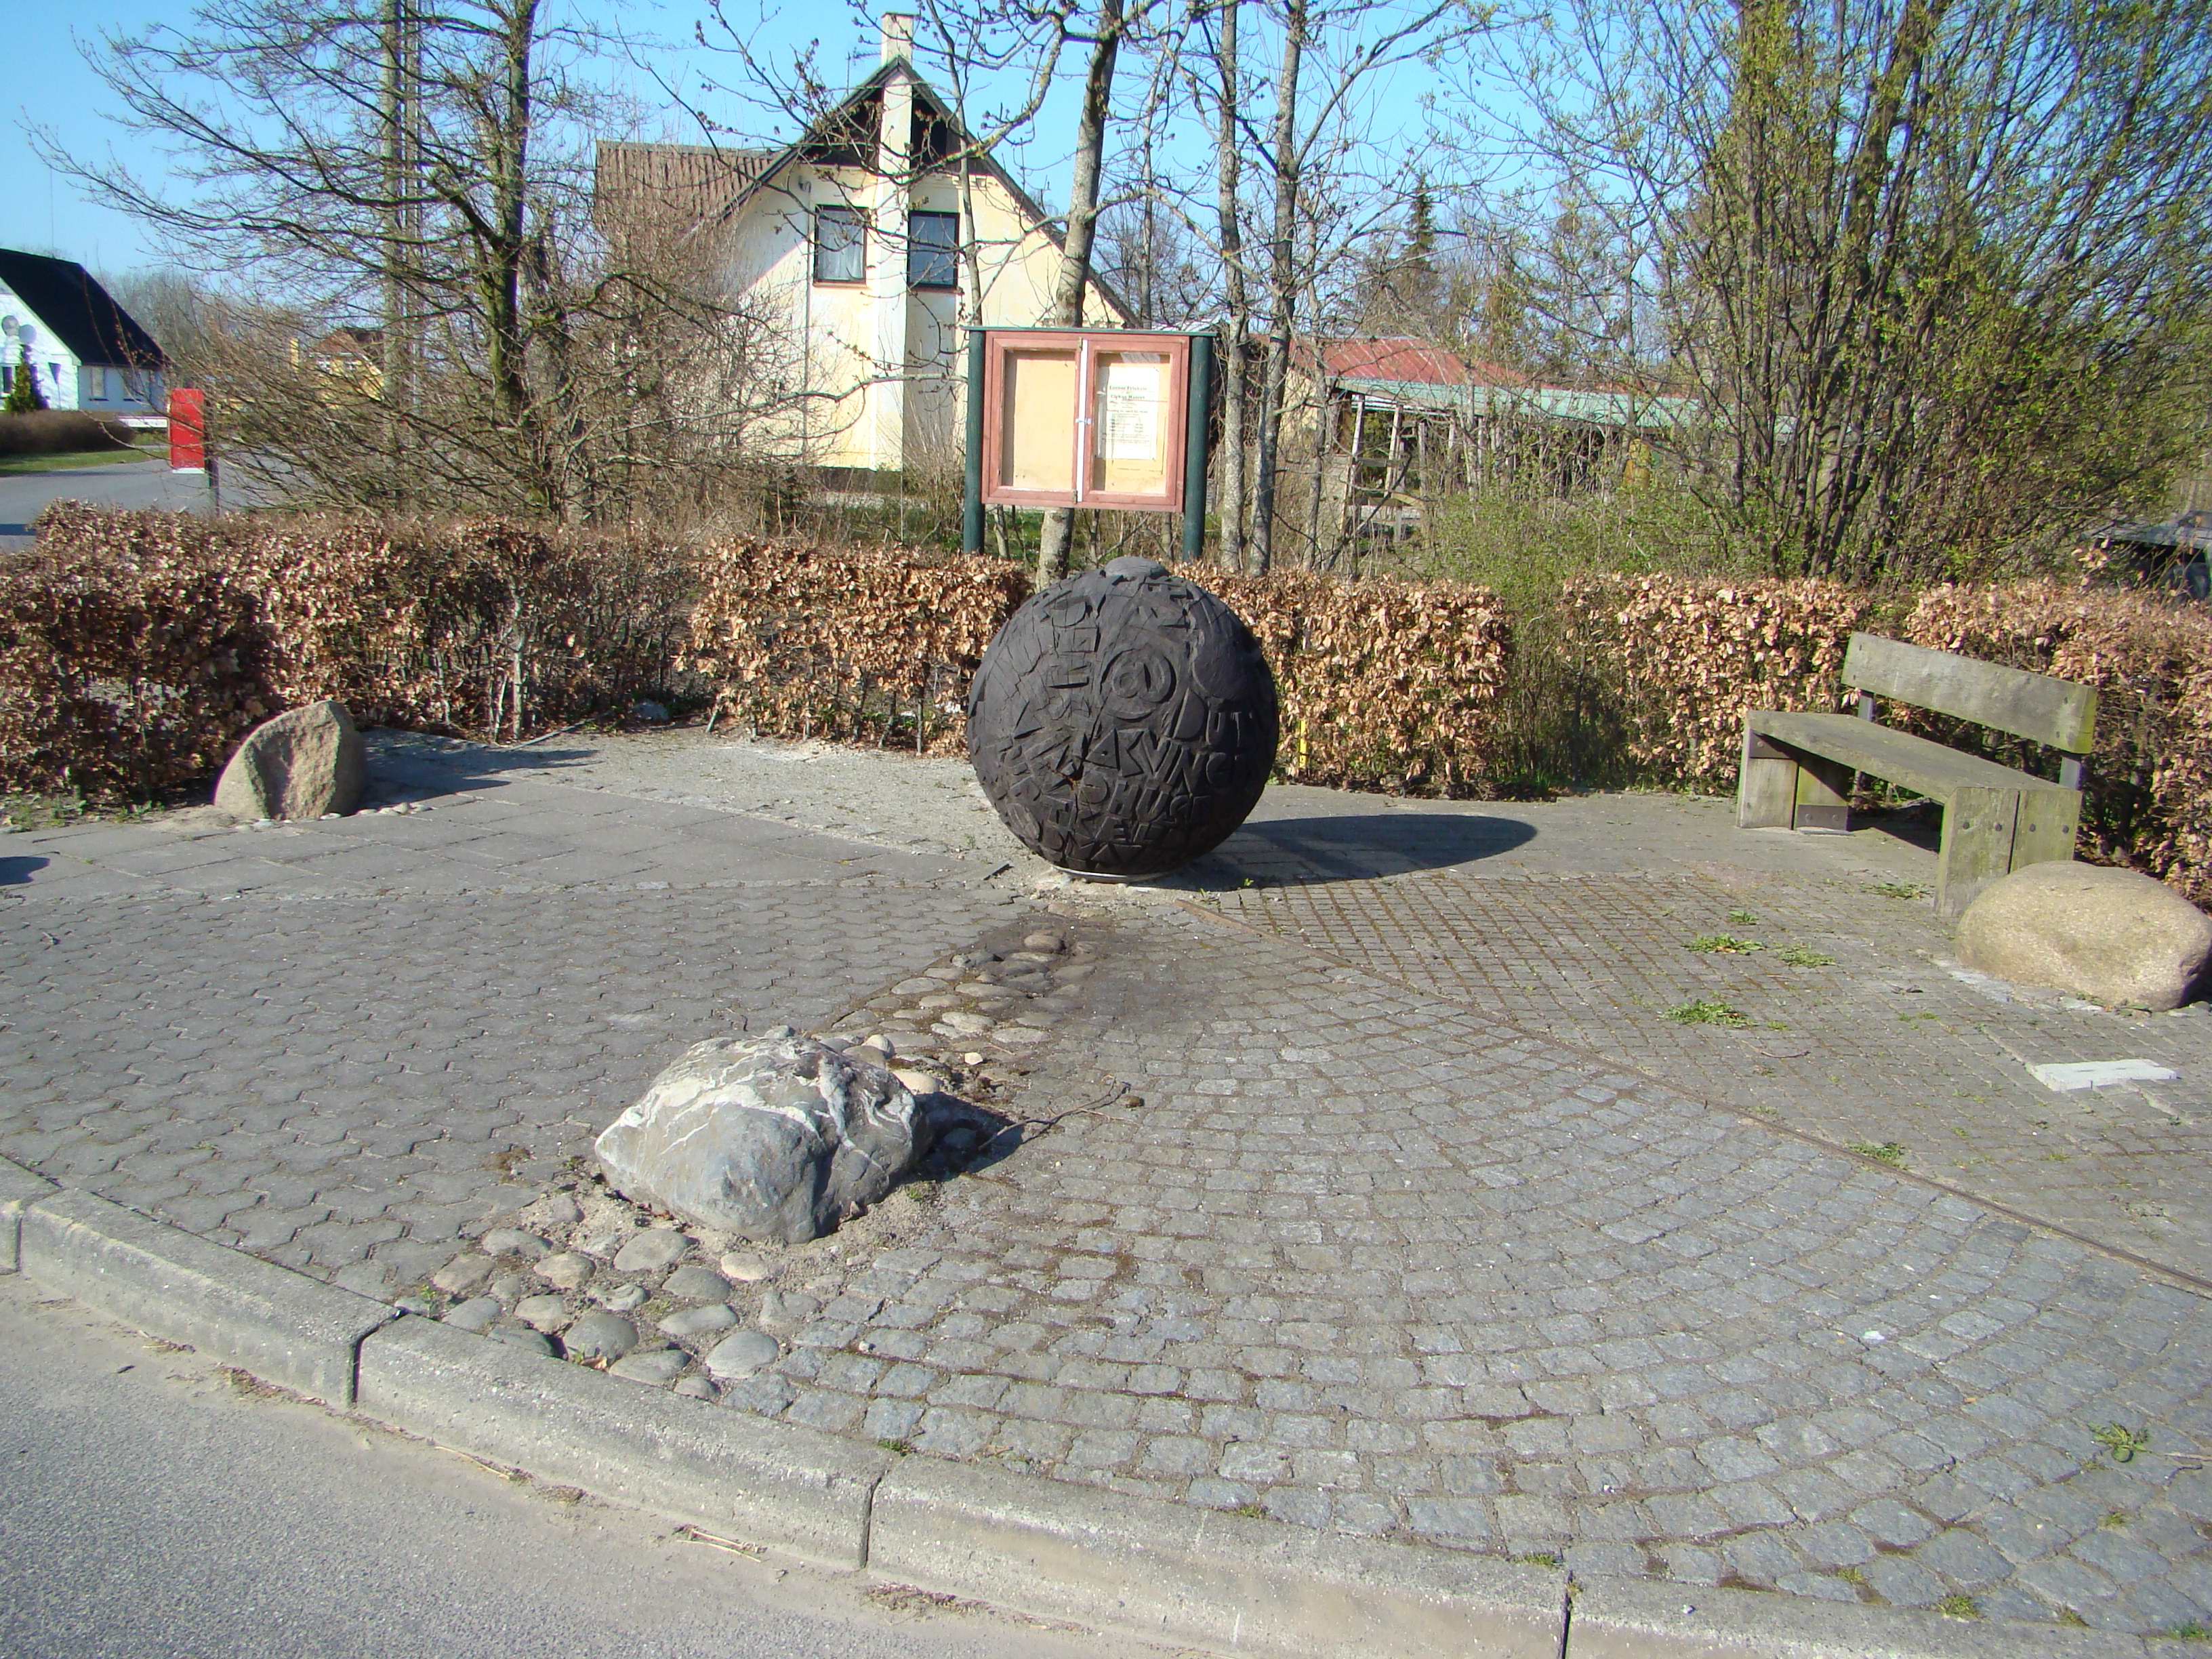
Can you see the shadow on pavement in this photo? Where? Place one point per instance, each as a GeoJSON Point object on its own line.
{"type": "Point", "coordinates": [415, 771]}
{"type": "Point", "coordinates": [1352, 846]}
{"type": "Point", "coordinates": [17, 872]}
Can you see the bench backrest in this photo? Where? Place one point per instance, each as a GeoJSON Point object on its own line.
{"type": "Point", "coordinates": [2034, 706]}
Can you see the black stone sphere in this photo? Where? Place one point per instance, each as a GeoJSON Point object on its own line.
{"type": "Point", "coordinates": [1123, 722]}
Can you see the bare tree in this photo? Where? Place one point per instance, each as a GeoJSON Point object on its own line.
{"type": "Point", "coordinates": [1936, 271]}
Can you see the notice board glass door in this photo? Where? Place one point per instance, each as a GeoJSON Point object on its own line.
{"type": "Point", "coordinates": [1086, 418]}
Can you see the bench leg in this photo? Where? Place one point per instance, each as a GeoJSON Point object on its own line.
{"type": "Point", "coordinates": [1824, 796]}
{"type": "Point", "coordinates": [1978, 841]}
{"type": "Point", "coordinates": [2049, 819]}
{"type": "Point", "coordinates": [1767, 785]}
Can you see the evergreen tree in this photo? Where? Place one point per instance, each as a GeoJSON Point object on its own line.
{"type": "Point", "coordinates": [23, 394]}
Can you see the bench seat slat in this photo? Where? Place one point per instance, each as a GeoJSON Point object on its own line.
{"type": "Point", "coordinates": [1895, 756]}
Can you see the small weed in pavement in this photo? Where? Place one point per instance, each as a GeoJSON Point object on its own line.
{"type": "Point", "coordinates": [1538, 1558]}
{"type": "Point", "coordinates": [1743, 919]}
{"type": "Point", "coordinates": [895, 1447]}
{"type": "Point", "coordinates": [2122, 1442]}
{"type": "Point", "coordinates": [1900, 889]}
{"type": "Point", "coordinates": [1725, 944]}
{"type": "Point", "coordinates": [2114, 1520]}
{"type": "Point", "coordinates": [2194, 1631]}
{"type": "Point", "coordinates": [1705, 1013]}
{"type": "Point", "coordinates": [1850, 1575]}
{"type": "Point", "coordinates": [1959, 1607]}
{"type": "Point", "coordinates": [1800, 956]}
{"type": "Point", "coordinates": [1887, 1151]}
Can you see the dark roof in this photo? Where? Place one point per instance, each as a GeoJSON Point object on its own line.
{"type": "Point", "coordinates": [714, 182]}
{"type": "Point", "coordinates": [684, 184]}
{"type": "Point", "coordinates": [68, 300]}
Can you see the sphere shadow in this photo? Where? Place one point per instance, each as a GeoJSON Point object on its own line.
{"type": "Point", "coordinates": [1350, 846]}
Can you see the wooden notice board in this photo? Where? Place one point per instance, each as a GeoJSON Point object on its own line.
{"type": "Point", "coordinates": [1085, 417]}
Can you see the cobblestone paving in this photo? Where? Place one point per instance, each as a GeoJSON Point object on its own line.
{"type": "Point", "coordinates": [236, 1032]}
{"type": "Point", "coordinates": [1340, 1220]}
{"type": "Point", "coordinates": [1361, 1259]}
{"type": "Point", "coordinates": [1878, 1046]}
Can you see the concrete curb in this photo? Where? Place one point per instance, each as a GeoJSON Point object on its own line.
{"type": "Point", "coordinates": [282, 1327]}
{"type": "Point", "coordinates": [19, 1189]}
{"type": "Point", "coordinates": [1161, 1571]}
{"type": "Point", "coordinates": [1617, 1618]}
{"type": "Point", "coordinates": [1166, 1570]}
{"type": "Point", "coordinates": [732, 1474]}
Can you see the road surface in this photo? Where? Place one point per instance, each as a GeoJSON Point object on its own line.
{"type": "Point", "coordinates": [154, 1507]}
{"type": "Point", "coordinates": [124, 483]}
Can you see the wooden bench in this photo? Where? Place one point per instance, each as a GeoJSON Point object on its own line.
{"type": "Point", "coordinates": [1798, 769]}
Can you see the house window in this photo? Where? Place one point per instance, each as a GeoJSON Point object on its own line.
{"type": "Point", "coordinates": [841, 245]}
{"type": "Point", "coordinates": [933, 251]}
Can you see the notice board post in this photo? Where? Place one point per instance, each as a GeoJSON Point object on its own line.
{"type": "Point", "coordinates": [1085, 417]}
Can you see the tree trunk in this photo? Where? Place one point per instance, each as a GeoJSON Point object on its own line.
{"type": "Point", "coordinates": [1236, 367]}
{"type": "Point", "coordinates": [1075, 256]}
{"type": "Point", "coordinates": [1282, 289]}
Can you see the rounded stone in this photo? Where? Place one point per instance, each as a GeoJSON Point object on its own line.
{"type": "Point", "coordinates": [477, 1314]}
{"type": "Point", "coordinates": [743, 1267]}
{"type": "Point", "coordinates": [512, 1241]}
{"type": "Point", "coordinates": [703, 1321]}
{"type": "Point", "coordinates": [618, 1298]}
{"type": "Point", "coordinates": [463, 1274]}
{"type": "Point", "coordinates": [1123, 722]}
{"type": "Point", "coordinates": [696, 1283]}
{"type": "Point", "coordinates": [696, 1387]}
{"type": "Point", "coordinates": [741, 1355]}
{"type": "Point", "coordinates": [535, 1341]}
{"type": "Point", "coordinates": [651, 1250]}
{"type": "Point", "coordinates": [600, 1336]}
{"type": "Point", "coordinates": [2113, 936]}
{"type": "Point", "coordinates": [655, 1366]}
{"type": "Point", "coordinates": [541, 1313]}
{"type": "Point", "coordinates": [566, 1270]}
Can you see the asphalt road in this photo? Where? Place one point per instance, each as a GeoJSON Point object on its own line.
{"type": "Point", "coordinates": [125, 484]}
{"type": "Point", "coordinates": [150, 1506]}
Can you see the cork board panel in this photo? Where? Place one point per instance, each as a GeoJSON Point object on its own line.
{"type": "Point", "coordinates": [1037, 421]}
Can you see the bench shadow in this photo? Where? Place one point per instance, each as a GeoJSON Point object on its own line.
{"type": "Point", "coordinates": [17, 872]}
{"type": "Point", "coordinates": [1350, 846]}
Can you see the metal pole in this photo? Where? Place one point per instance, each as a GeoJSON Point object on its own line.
{"type": "Point", "coordinates": [972, 507]}
{"type": "Point", "coordinates": [1194, 448]}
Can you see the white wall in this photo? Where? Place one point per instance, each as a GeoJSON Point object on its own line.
{"type": "Point", "coordinates": [834, 328]}
{"type": "Point", "coordinates": [67, 383]}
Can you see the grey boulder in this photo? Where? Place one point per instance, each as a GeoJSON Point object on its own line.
{"type": "Point", "coordinates": [302, 764]}
{"type": "Point", "coordinates": [781, 1138]}
{"type": "Point", "coordinates": [2110, 936]}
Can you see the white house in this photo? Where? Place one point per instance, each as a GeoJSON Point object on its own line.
{"type": "Point", "coordinates": [854, 238]}
{"type": "Point", "coordinates": [86, 351]}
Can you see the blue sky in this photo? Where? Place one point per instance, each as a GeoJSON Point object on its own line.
{"type": "Point", "coordinates": [51, 87]}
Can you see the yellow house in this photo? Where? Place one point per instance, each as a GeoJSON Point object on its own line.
{"type": "Point", "coordinates": [869, 246]}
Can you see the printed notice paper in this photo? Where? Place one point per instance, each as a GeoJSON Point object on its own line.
{"type": "Point", "coordinates": [1131, 415]}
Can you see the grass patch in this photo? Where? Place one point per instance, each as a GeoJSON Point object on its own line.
{"type": "Point", "coordinates": [2122, 1442]}
{"type": "Point", "coordinates": [1801, 955]}
{"type": "Point", "coordinates": [1900, 889]}
{"type": "Point", "coordinates": [1725, 944]}
{"type": "Point", "coordinates": [1741, 919]}
{"type": "Point", "coordinates": [2113, 1520]}
{"type": "Point", "coordinates": [1538, 1558]}
{"type": "Point", "coordinates": [1959, 1607]}
{"type": "Point", "coordinates": [1850, 1575]}
{"type": "Point", "coordinates": [2194, 1631]}
{"type": "Point", "coordinates": [895, 1447]}
{"type": "Point", "coordinates": [1705, 1012]}
{"type": "Point", "coordinates": [1888, 1151]}
{"type": "Point", "coordinates": [15, 466]}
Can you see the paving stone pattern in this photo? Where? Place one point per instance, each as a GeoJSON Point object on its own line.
{"type": "Point", "coordinates": [1361, 1259]}
{"type": "Point", "coordinates": [1885, 1047]}
{"type": "Point", "coordinates": [347, 1082]}
{"type": "Point", "coordinates": [1330, 1203]}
